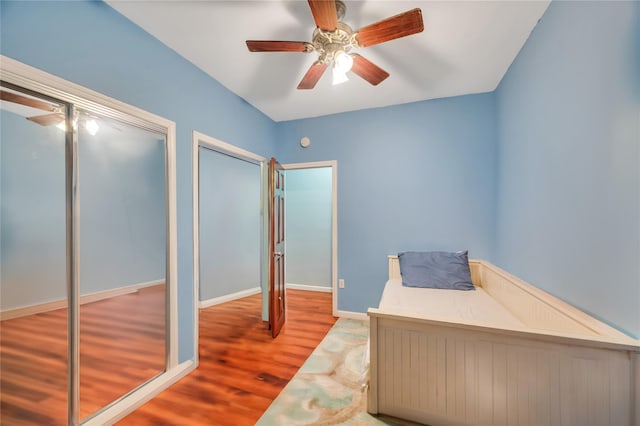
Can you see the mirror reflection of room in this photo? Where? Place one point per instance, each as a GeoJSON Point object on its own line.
{"type": "Point", "coordinates": [33, 281]}
{"type": "Point", "coordinates": [121, 258]}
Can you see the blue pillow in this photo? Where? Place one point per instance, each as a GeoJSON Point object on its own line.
{"type": "Point", "coordinates": [436, 269]}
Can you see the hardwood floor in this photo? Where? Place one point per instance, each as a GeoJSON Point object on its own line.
{"type": "Point", "coordinates": [242, 369]}
{"type": "Point", "coordinates": [33, 367]}
{"type": "Point", "coordinates": [121, 347]}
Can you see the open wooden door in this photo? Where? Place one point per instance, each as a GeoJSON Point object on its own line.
{"type": "Point", "coordinates": [276, 247]}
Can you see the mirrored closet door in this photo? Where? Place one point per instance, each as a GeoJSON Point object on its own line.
{"type": "Point", "coordinates": [122, 232]}
{"type": "Point", "coordinates": [33, 277]}
{"type": "Point", "coordinates": [84, 259]}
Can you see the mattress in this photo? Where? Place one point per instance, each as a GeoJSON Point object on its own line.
{"type": "Point", "coordinates": [446, 305]}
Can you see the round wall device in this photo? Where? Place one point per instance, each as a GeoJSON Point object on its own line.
{"type": "Point", "coordinates": [305, 142]}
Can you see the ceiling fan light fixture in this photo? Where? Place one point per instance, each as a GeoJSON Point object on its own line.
{"type": "Point", "coordinates": [339, 77]}
{"type": "Point", "coordinates": [342, 61]}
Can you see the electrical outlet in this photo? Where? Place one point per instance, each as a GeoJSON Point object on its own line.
{"type": "Point", "coordinates": [341, 283]}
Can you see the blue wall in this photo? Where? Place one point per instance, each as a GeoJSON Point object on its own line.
{"type": "Point", "coordinates": [569, 159]}
{"type": "Point", "coordinates": [417, 176]}
{"type": "Point", "coordinates": [91, 44]}
{"type": "Point", "coordinates": [308, 226]}
{"type": "Point", "coordinates": [230, 224]}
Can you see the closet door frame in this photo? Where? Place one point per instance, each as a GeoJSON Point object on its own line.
{"type": "Point", "coordinates": [76, 96]}
{"type": "Point", "coordinates": [199, 140]}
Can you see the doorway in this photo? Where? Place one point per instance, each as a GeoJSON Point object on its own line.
{"type": "Point", "coordinates": [311, 227]}
{"type": "Point", "coordinates": [199, 141]}
{"type": "Point", "coordinates": [228, 224]}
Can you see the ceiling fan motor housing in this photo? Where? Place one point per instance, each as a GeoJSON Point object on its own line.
{"type": "Point", "coordinates": [330, 43]}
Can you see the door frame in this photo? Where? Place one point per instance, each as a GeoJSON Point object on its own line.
{"type": "Point", "coordinates": [334, 221]}
{"type": "Point", "coordinates": [202, 140]}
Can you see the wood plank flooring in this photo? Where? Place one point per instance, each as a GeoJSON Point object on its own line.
{"type": "Point", "coordinates": [242, 369]}
{"type": "Point", "coordinates": [33, 363]}
{"type": "Point", "coordinates": [121, 347]}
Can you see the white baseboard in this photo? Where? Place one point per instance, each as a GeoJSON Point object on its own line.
{"type": "Point", "coordinates": [636, 355]}
{"type": "Point", "coordinates": [229, 297]}
{"type": "Point", "coordinates": [130, 403]}
{"type": "Point", "coordinates": [352, 315]}
{"type": "Point", "coordinates": [62, 303]}
{"type": "Point", "coordinates": [307, 287]}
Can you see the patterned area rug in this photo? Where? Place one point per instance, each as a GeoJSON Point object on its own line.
{"type": "Point", "coordinates": [326, 389]}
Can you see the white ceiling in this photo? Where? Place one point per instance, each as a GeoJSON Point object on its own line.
{"type": "Point", "coordinates": [466, 47]}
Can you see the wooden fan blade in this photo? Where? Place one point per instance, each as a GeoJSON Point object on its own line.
{"type": "Point", "coordinates": [368, 70]}
{"type": "Point", "coordinates": [24, 100]}
{"type": "Point", "coordinates": [312, 76]}
{"type": "Point", "coordinates": [401, 25]}
{"type": "Point", "coordinates": [324, 13]}
{"type": "Point", "coordinates": [47, 119]}
{"type": "Point", "coordinates": [278, 46]}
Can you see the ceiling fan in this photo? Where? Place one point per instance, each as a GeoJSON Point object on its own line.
{"type": "Point", "coordinates": [333, 40]}
{"type": "Point", "coordinates": [55, 116]}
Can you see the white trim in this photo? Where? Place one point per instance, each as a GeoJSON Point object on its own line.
{"type": "Point", "coordinates": [334, 221]}
{"type": "Point", "coordinates": [200, 139]}
{"type": "Point", "coordinates": [334, 237]}
{"type": "Point", "coordinates": [229, 297]}
{"type": "Point", "coordinates": [195, 187]}
{"type": "Point", "coordinates": [227, 148]}
{"type": "Point", "coordinates": [31, 78]}
{"type": "Point", "coordinates": [307, 287]}
{"type": "Point", "coordinates": [636, 381]}
{"type": "Point", "coordinates": [62, 303]}
{"type": "Point", "coordinates": [310, 165]}
{"type": "Point", "coordinates": [352, 315]}
{"type": "Point", "coordinates": [172, 303]}
{"type": "Point", "coordinates": [26, 76]}
{"type": "Point", "coordinates": [143, 394]}
{"type": "Point", "coordinates": [24, 311]}
{"type": "Point", "coordinates": [264, 243]}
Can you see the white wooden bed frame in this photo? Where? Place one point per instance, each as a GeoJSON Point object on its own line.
{"type": "Point", "coordinates": [564, 368]}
